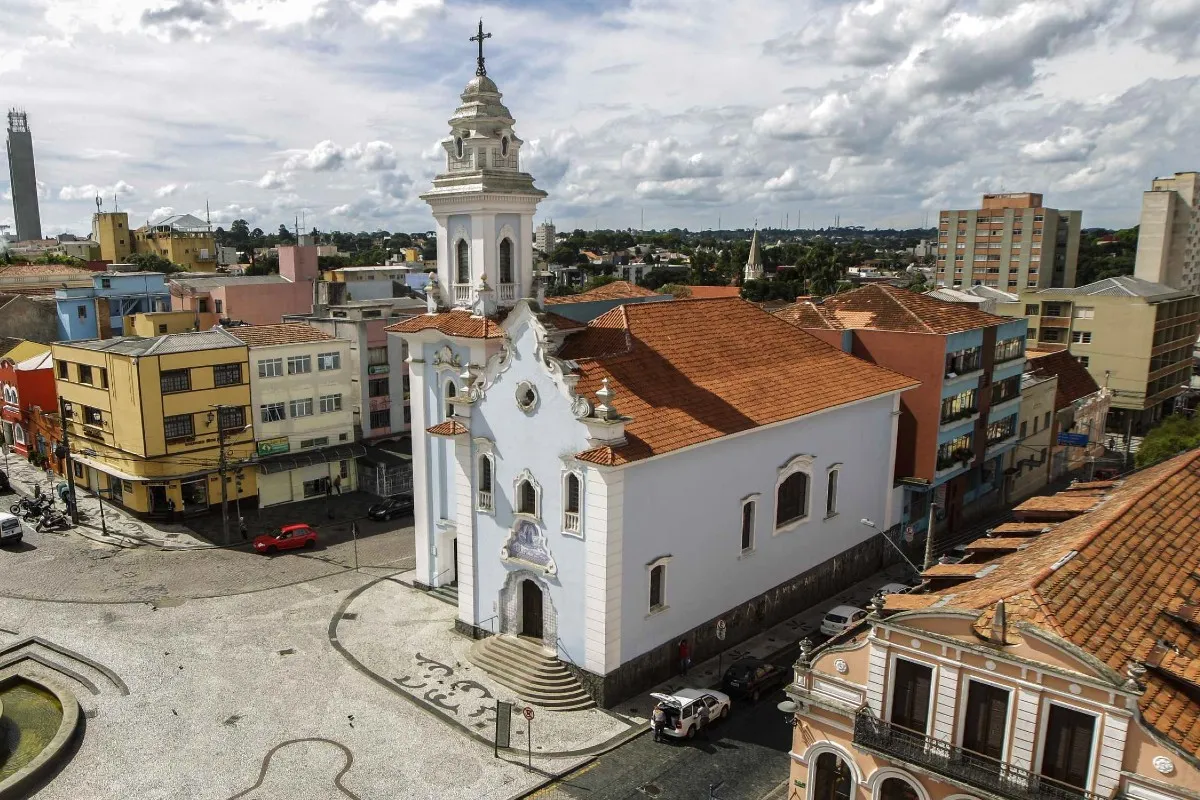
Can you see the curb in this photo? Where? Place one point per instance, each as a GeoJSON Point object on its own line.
{"type": "Point", "coordinates": [358, 666]}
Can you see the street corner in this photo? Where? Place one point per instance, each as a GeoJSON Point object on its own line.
{"type": "Point", "coordinates": [405, 640]}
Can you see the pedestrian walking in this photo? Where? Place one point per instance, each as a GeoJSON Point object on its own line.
{"type": "Point", "coordinates": [685, 657]}
{"type": "Point", "coordinates": [242, 527]}
{"type": "Point", "coordinates": [170, 511]}
{"type": "Point", "coordinates": [658, 720]}
{"type": "Point", "coordinates": [703, 713]}
{"type": "Point", "coordinates": [337, 484]}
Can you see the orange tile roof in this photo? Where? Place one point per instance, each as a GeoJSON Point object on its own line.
{"type": "Point", "coordinates": [881, 306]}
{"type": "Point", "coordinates": [1023, 528]}
{"type": "Point", "coordinates": [1116, 582]}
{"type": "Point", "coordinates": [956, 570]}
{"type": "Point", "coordinates": [281, 333]}
{"type": "Point", "coordinates": [1067, 502]}
{"type": "Point", "coordinates": [617, 290]}
{"type": "Point", "coordinates": [450, 427]}
{"type": "Point", "coordinates": [711, 292]}
{"type": "Point", "coordinates": [47, 271]}
{"type": "Point", "coordinates": [999, 543]}
{"type": "Point", "coordinates": [452, 323]}
{"type": "Point", "coordinates": [1074, 381]}
{"type": "Point", "coordinates": [690, 371]}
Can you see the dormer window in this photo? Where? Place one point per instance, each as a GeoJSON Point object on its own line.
{"type": "Point", "coordinates": [458, 147]}
{"type": "Point", "coordinates": [504, 147]}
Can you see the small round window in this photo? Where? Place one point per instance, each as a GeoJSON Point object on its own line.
{"type": "Point", "coordinates": [526, 396]}
{"type": "Point", "coordinates": [504, 147]}
{"type": "Point", "coordinates": [458, 147]}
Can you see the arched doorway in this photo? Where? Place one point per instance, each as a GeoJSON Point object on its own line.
{"type": "Point", "coordinates": [897, 789]}
{"type": "Point", "coordinates": [832, 779]}
{"type": "Point", "coordinates": [531, 610]}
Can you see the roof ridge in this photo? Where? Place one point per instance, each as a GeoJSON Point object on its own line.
{"type": "Point", "coordinates": [895, 299]}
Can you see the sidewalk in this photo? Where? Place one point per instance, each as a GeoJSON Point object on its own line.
{"type": "Point", "coordinates": [123, 529]}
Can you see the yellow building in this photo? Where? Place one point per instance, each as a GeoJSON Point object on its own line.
{"type": "Point", "coordinates": [182, 239]}
{"type": "Point", "coordinates": [1133, 336]}
{"type": "Point", "coordinates": [111, 230]}
{"type": "Point", "coordinates": [144, 418]}
{"type": "Point", "coordinates": [157, 323]}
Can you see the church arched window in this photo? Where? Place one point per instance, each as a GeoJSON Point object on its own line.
{"type": "Point", "coordinates": [458, 147]}
{"type": "Point", "coordinates": [504, 147]}
{"type": "Point", "coordinates": [463, 262]}
{"type": "Point", "coordinates": [451, 393]}
{"type": "Point", "coordinates": [506, 260]}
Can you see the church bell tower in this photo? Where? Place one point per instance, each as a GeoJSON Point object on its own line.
{"type": "Point", "coordinates": [483, 203]}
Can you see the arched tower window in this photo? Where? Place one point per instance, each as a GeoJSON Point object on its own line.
{"type": "Point", "coordinates": [451, 393]}
{"type": "Point", "coordinates": [458, 147]}
{"type": "Point", "coordinates": [504, 147]}
{"type": "Point", "coordinates": [526, 498]}
{"type": "Point", "coordinates": [506, 260]}
{"type": "Point", "coordinates": [463, 262]}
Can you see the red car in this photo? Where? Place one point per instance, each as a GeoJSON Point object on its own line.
{"type": "Point", "coordinates": [290, 537]}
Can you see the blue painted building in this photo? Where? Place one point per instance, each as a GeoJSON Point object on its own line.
{"type": "Point", "coordinates": [97, 311]}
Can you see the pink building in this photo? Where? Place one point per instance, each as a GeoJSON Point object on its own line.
{"type": "Point", "coordinates": [253, 299]}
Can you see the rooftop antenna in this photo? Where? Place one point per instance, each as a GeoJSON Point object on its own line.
{"type": "Point", "coordinates": [99, 203]}
{"type": "Point", "coordinates": [207, 215]}
{"type": "Point", "coordinates": [116, 207]}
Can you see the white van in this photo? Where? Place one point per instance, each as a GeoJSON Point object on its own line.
{"type": "Point", "coordinates": [10, 528]}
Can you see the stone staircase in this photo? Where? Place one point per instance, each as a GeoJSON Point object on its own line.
{"type": "Point", "coordinates": [447, 593]}
{"type": "Point", "coordinates": [537, 678]}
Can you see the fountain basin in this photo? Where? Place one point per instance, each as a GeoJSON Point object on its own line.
{"type": "Point", "coordinates": [38, 718]}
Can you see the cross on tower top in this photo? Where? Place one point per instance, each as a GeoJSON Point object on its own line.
{"type": "Point", "coordinates": [479, 37]}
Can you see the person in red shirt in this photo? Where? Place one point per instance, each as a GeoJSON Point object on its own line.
{"type": "Point", "coordinates": [685, 657]}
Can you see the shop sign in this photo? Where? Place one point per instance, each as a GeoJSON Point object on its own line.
{"type": "Point", "coordinates": [270, 447]}
{"type": "Point", "coordinates": [378, 369]}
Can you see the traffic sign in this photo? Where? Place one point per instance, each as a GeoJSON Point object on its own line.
{"type": "Point", "coordinates": [721, 630]}
{"type": "Point", "coordinates": [528, 712]}
{"type": "Point", "coordinates": [1073, 439]}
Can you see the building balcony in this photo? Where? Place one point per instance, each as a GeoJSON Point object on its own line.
{"type": "Point", "coordinates": [1055, 322]}
{"type": "Point", "coordinates": [958, 420]}
{"type": "Point", "coordinates": [462, 294]}
{"type": "Point", "coordinates": [972, 771]}
{"type": "Point", "coordinates": [995, 446]}
{"type": "Point", "coordinates": [506, 292]}
{"type": "Point", "coordinates": [483, 501]}
{"type": "Point", "coordinates": [571, 521]}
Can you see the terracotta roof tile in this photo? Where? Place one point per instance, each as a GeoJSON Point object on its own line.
{"type": "Point", "coordinates": [690, 371]}
{"type": "Point", "coordinates": [450, 427]}
{"type": "Point", "coordinates": [1116, 582]}
{"type": "Point", "coordinates": [282, 333]}
{"type": "Point", "coordinates": [1067, 502]}
{"type": "Point", "coordinates": [883, 307]}
{"type": "Point", "coordinates": [617, 290]}
{"type": "Point", "coordinates": [1074, 381]}
{"type": "Point", "coordinates": [1023, 528]}
{"type": "Point", "coordinates": [713, 292]}
{"type": "Point", "coordinates": [956, 570]}
{"type": "Point", "coordinates": [451, 323]}
{"type": "Point", "coordinates": [1001, 543]}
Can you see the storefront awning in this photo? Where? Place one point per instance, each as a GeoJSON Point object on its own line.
{"type": "Point", "coordinates": [286, 462]}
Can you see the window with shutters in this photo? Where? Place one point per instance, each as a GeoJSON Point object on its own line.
{"type": "Point", "coordinates": [526, 498]}
{"type": "Point", "coordinates": [986, 720]}
{"type": "Point", "coordinates": [1067, 750]}
{"type": "Point", "coordinates": [911, 687]}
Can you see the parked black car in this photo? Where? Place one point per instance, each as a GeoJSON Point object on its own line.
{"type": "Point", "coordinates": [399, 506]}
{"type": "Point", "coordinates": [753, 677]}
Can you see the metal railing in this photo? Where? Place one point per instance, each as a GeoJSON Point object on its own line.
{"type": "Point", "coordinates": [560, 650]}
{"type": "Point", "coordinates": [958, 764]}
{"type": "Point", "coordinates": [490, 624]}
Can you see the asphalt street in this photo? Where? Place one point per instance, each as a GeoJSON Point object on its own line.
{"type": "Point", "coordinates": [743, 758]}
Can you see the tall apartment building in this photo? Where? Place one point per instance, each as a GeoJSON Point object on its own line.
{"type": "Point", "coordinates": [1168, 242]}
{"type": "Point", "coordinates": [1013, 243]}
{"type": "Point", "coordinates": [23, 178]}
{"type": "Point", "coordinates": [543, 238]}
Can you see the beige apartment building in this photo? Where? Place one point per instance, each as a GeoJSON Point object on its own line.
{"type": "Point", "coordinates": [1168, 240]}
{"type": "Point", "coordinates": [1134, 337]}
{"type": "Point", "coordinates": [1056, 662]}
{"type": "Point", "coordinates": [1028, 464]}
{"type": "Point", "coordinates": [1012, 243]}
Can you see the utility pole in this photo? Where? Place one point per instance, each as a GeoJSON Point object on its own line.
{"type": "Point", "coordinates": [73, 506]}
{"type": "Point", "coordinates": [929, 531]}
{"type": "Point", "coordinates": [222, 468]}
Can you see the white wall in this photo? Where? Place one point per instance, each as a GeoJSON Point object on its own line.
{"type": "Point", "coordinates": [688, 505]}
{"type": "Point", "coordinates": [286, 388]}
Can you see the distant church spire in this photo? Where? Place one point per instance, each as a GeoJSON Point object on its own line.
{"type": "Point", "coordinates": [754, 264]}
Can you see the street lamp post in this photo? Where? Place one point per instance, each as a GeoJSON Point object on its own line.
{"type": "Point", "coordinates": [886, 538]}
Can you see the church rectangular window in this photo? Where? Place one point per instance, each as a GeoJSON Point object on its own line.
{"type": "Point", "coordinates": [658, 587]}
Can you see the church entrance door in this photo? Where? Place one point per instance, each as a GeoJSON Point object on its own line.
{"type": "Point", "coordinates": [531, 609]}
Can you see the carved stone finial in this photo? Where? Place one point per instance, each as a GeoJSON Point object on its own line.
{"type": "Point", "coordinates": [604, 408]}
{"type": "Point", "coordinates": [806, 648]}
{"type": "Point", "coordinates": [876, 605]}
{"type": "Point", "coordinates": [485, 298]}
{"type": "Point", "coordinates": [1000, 624]}
{"type": "Point", "coordinates": [432, 294]}
{"type": "Point", "coordinates": [1136, 672]}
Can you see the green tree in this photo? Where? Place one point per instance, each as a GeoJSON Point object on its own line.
{"type": "Point", "coordinates": [657, 278]}
{"type": "Point", "coordinates": [567, 255]}
{"type": "Point", "coordinates": [679, 291]}
{"type": "Point", "coordinates": [1175, 435]}
{"type": "Point", "coordinates": [429, 250]}
{"type": "Point", "coordinates": [153, 262]}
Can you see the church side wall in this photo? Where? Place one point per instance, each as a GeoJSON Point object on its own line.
{"type": "Point", "coordinates": [688, 508]}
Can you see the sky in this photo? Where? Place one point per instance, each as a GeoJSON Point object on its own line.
{"type": "Point", "coordinates": [634, 113]}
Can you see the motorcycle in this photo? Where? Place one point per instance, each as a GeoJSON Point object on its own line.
{"type": "Point", "coordinates": [53, 520]}
{"type": "Point", "coordinates": [31, 509]}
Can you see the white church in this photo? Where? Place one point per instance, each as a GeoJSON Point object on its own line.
{"type": "Point", "coordinates": [597, 493]}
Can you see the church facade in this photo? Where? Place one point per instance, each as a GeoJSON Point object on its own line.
{"type": "Point", "coordinates": [610, 488]}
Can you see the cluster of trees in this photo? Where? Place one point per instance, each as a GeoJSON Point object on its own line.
{"type": "Point", "coordinates": [1176, 434]}
{"type": "Point", "coordinates": [1099, 261]}
{"type": "Point", "coordinates": [363, 248]}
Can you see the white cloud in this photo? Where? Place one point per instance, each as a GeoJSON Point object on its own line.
{"type": "Point", "coordinates": [1069, 145]}
{"type": "Point", "coordinates": [91, 191]}
{"type": "Point", "coordinates": [168, 190]}
{"type": "Point", "coordinates": [323, 157]}
{"type": "Point", "coordinates": [161, 213]}
{"type": "Point", "coordinates": [372, 155]}
{"type": "Point", "coordinates": [272, 180]}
